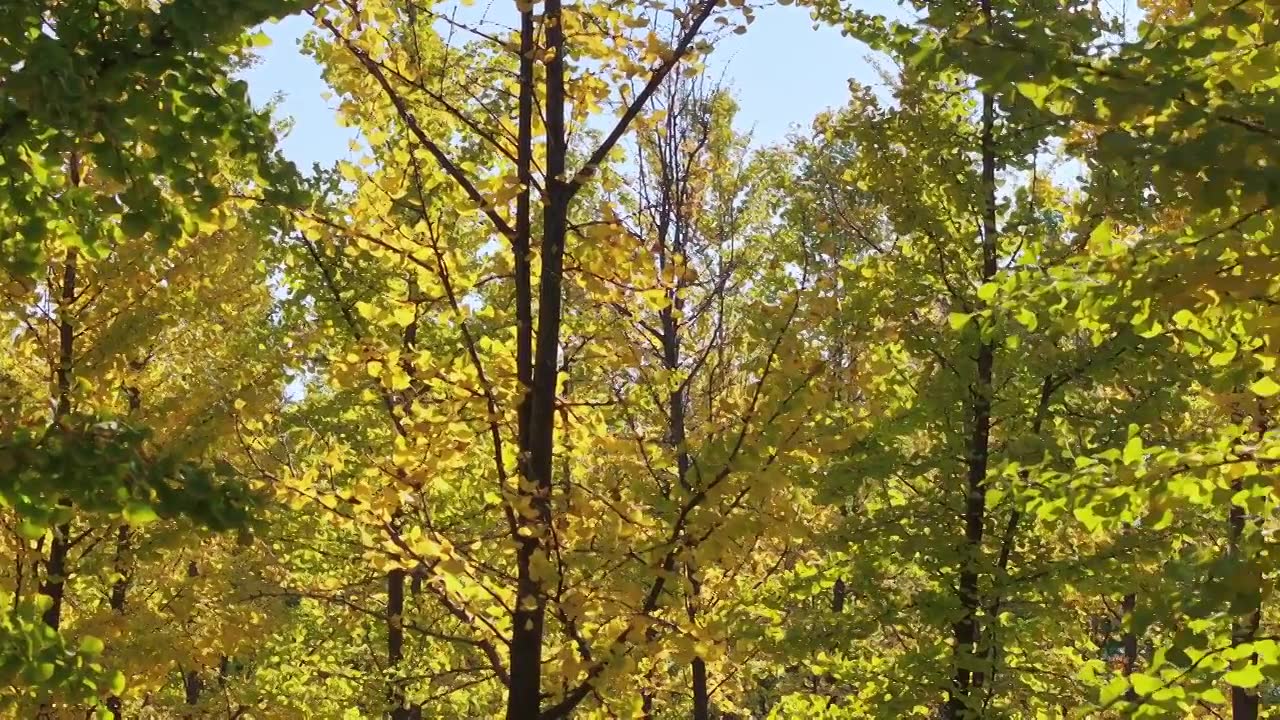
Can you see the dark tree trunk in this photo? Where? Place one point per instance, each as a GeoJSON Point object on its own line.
{"type": "Point", "coordinates": [192, 685]}
{"type": "Point", "coordinates": [524, 697]}
{"type": "Point", "coordinates": [541, 344]}
{"type": "Point", "coordinates": [119, 596]}
{"type": "Point", "coordinates": [120, 588]}
{"type": "Point", "coordinates": [701, 697]}
{"type": "Point", "coordinates": [1129, 642]}
{"type": "Point", "coordinates": [1245, 702]}
{"type": "Point", "coordinates": [966, 631]}
{"type": "Point", "coordinates": [55, 577]}
{"type": "Point", "coordinates": [395, 639]}
{"type": "Point", "coordinates": [54, 583]}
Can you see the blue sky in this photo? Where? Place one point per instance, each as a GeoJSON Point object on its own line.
{"type": "Point", "coordinates": [782, 71]}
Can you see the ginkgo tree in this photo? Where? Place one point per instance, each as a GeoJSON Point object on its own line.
{"type": "Point", "coordinates": [709, 386]}
{"type": "Point", "coordinates": [449, 198]}
{"type": "Point", "coordinates": [562, 397]}
{"type": "Point", "coordinates": [92, 162]}
{"type": "Point", "coordinates": [1160, 484]}
{"type": "Point", "coordinates": [121, 375]}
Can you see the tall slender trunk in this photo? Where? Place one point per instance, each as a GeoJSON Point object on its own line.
{"type": "Point", "coordinates": [965, 631]}
{"type": "Point", "coordinates": [54, 584]}
{"type": "Point", "coordinates": [698, 667]}
{"type": "Point", "coordinates": [393, 617]}
{"type": "Point", "coordinates": [66, 335]}
{"type": "Point", "coordinates": [701, 697]}
{"type": "Point", "coordinates": [840, 590]}
{"type": "Point", "coordinates": [401, 709]}
{"type": "Point", "coordinates": [523, 698]}
{"type": "Point", "coordinates": [192, 682]}
{"type": "Point", "coordinates": [1245, 702]}
{"type": "Point", "coordinates": [671, 231]}
{"type": "Point", "coordinates": [700, 688]}
{"type": "Point", "coordinates": [537, 414]}
{"type": "Point", "coordinates": [677, 434]}
{"type": "Point", "coordinates": [124, 537]}
{"type": "Point", "coordinates": [395, 614]}
{"type": "Point", "coordinates": [520, 244]}
{"type": "Point", "coordinates": [1129, 642]}
{"type": "Point", "coordinates": [119, 596]}
{"type": "Point", "coordinates": [55, 577]}
{"type": "Point", "coordinates": [525, 666]}
{"type": "Point", "coordinates": [192, 685]}
{"type": "Point", "coordinates": [529, 616]}
{"type": "Point", "coordinates": [995, 648]}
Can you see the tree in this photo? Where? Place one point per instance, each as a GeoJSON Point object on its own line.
{"type": "Point", "coordinates": [423, 195]}
{"type": "Point", "coordinates": [563, 398]}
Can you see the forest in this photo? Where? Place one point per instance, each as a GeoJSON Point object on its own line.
{"type": "Point", "coordinates": [564, 397]}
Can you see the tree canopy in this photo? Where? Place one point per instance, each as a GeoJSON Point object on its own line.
{"type": "Point", "coordinates": [567, 398]}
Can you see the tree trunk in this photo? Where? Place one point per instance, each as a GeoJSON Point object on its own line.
{"type": "Point", "coordinates": [839, 594]}
{"type": "Point", "coordinates": [192, 685]}
{"type": "Point", "coordinates": [701, 697]}
{"type": "Point", "coordinates": [119, 595]}
{"type": "Point", "coordinates": [120, 588]}
{"type": "Point", "coordinates": [965, 631]}
{"type": "Point", "coordinates": [524, 696]}
{"type": "Point", "coordinates": [1245, 702]}
{"type": "Point", "coordinates": [1129, 642]}
{"type": "Point", "coordinates": [400, 707]}
{"type": "Point", "coordinates": [533, 520]}
{"type": "Point", "coordinates": [55, 577]}
{"type": "Point", "coordinates": [701, 691]}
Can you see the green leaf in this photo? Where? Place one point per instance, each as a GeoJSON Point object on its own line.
{"type": "Point", "coordinates": [1222, 357]}
{"type": "Point", "coordinates": [117, 683]}
{"type": "Point", "coordinates": [959, 320]}
{"type": "Point", "coordinates": [1266, 387]}
{"type": "Point", "coordinates": [1132, 451]}
{"type": "Point", "coordinates": [1214, 696]}
{"type": "Point", "coordinates": [1145, 684]}
{"type": "Point", "coordinates": [1034, 92]}
{"type": "Point", "coordinates": [30, 530]}
{"type": "Point", "coordinates": [1246, 677]}
{"type": "Point", "coordinates": [1102, 235]}
{"type": "Point", "coordinates": [1087, 517]}
{"type": "Point", "coordinates": [1113, 690]}
{"type": "Point", "coordinates": [91, 646]}
{"type": "Point", "coordinates": [139, 513]}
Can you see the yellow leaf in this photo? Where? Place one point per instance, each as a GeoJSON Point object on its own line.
{"type": "Point", "coordinates": [399, 379]}
{"type": "Point", "coordinates": [404, 315]}
{"type": "Point", "coordinates": [1266, 387]}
